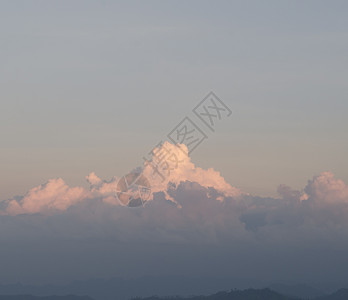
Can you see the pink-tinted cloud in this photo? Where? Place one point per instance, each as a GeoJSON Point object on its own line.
{"type": "Point", "coordinates": [51, 196]}
{"type": "Point", "coordinates": [57, 196]}
{"type": "Point", "coordinates": [325, 188]}
{"type": "Point", "coordinates": [186, 171]}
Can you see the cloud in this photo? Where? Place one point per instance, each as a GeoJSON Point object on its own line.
{"type": "Point", "coordinates": [326, 189]}
{"type": "Point", "coordinates": [193, 221]}
{"type": "Point", "coordinates": [93, 179]}
{"type": "Point", "coordinates": [55, 195]}
{"type": "Point", "coordinates": [322, 204]}
{"type": "Point", "coordinates": [201, 189]}
{"type": "Point", "coordinates": [184, 170]}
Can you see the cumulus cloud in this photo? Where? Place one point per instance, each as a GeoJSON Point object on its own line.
{"type": "Point", "coordinates": [293, 207]}
{"type": "Point", "coordinates": [325, 188]}
{"type": "Point", "coordinates": [184, 170]}
{"type": "Point", "coordinates": [322, 203]}
{"type": "Point", "coordinates": [191, 207]}
{"type": "Point", "coordinates": [53, 195]}
{"type": "Point", "coordinates": [93, 179]}
{"type": "Point", "coordinates": [56, 195]}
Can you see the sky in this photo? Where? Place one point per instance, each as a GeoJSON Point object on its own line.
{"type": "Point", "coordinates": [90, 87]}
{"type": "Point", "coordinates": [93, 85]}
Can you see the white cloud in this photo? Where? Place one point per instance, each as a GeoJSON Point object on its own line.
{"type": "Point", "coordinates": [325, 188]}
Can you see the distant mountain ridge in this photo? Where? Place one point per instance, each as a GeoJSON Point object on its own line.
{"type": "Point", "coordinates": [30, 297]}
{"type": "Point", "coordinates": [251, 294]}
{"type": "Point", "coordinates": [297, 290]}
{"type": "Point", "coordinates": [341, 294]}
{"type": "Point", "coordinates": [146, 287]}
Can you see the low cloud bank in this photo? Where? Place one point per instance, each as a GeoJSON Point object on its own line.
{"type": "Point", "coordinates": [191, 197]}
{"type": "Point", "coordinates": [194, 222]}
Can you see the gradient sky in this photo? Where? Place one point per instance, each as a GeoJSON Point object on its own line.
{"type": "Point", "coordinates": [93, 85]}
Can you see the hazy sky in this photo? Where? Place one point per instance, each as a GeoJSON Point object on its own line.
{"type": "Point", "coordinates": [93, 85]}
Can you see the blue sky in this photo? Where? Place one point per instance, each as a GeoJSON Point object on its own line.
{"type": "Point", "coordinates": [94, 85]}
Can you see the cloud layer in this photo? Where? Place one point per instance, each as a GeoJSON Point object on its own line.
{"type": "Point", "coordinates": [189, 210]}
{"type": "Point", "coordinates": [56, 195]}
